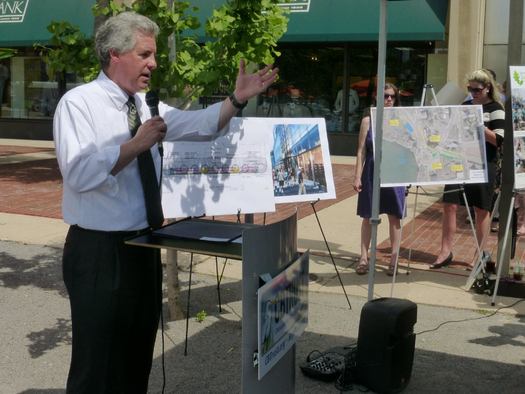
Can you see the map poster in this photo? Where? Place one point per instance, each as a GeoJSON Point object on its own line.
{"type": "Point", "coordinates": [517, 90]}
{"type": "Point", "coordinates": [300, 158]}
{"type": "Point", "coordinates": [282, 313]}
{"type": "Point", "coordinates": [228, 174]}
{"type": "Point", "coordinates": [432, 145]}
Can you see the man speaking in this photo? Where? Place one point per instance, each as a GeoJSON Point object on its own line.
{"type": "Point", "coordinates": [106, 145]}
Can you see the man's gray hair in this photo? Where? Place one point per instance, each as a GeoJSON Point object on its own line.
{"type": "Point", "coordinates": [119, 33]}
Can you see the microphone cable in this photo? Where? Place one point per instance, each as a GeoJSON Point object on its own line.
{"type": "Point", "coordinates": [161, 151]}
{"type": "Point", "coordinates": [162, 347]}
{"type": "Point", "coordinates": [152, 100]}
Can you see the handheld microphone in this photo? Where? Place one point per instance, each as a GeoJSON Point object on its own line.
{"type": "Point", "coordinates": [152, 100]}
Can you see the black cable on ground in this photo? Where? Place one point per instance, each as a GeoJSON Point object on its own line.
{"type": "Point", "coordinates": [471, 318]}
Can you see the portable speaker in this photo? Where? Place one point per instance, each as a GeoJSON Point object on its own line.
{"type": "Point", "coordinates": [385, 344]}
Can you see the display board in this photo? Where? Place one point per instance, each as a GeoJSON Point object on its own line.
{"type": "Point", "coordinates": [229, 174]}
{"type": "Point", "coordinates": [517, 91]}
{"type": "Point", "coordinates": [300, 158]}
{"type": "Point", "coordinates": [257, 163]}
{"type": "Point", "coordinates": [432, 145]}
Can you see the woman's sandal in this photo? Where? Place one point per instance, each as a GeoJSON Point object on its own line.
{"type": "Point", "coordinates": [390, 270]}
{"type": "Point", "coordinates": [362, 267]}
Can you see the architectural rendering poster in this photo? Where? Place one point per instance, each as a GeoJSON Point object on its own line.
{"type": "Point", "coordinates": [300, 158]}
{"type": "Point", "coordinates": [432, 145]}
{"type": "Point", "coordinates": [519, 160]}
{"type": "Point", "coordinates": [228, 174]}
{"type": "Point", "coordinates": [282, 310]}
{"type": "Point", "coordinates": [517, 90]}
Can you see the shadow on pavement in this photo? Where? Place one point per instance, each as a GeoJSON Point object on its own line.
{"type": "Point", "coordinates": [506, 334]}
{"type": "Point", "coordinates": [49, 338]}
{"type": "Point", "coordinates": [42, 270]}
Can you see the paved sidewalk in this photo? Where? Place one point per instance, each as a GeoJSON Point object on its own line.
{"type": "Point", "coordinates": [481, 355]}
{"type": "Point", "coordinates": [476, 354]}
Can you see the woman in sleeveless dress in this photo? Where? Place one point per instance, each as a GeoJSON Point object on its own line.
{"type": "Point", "coordinates": [391, 199]}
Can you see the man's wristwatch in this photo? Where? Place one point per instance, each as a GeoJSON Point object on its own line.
{"type": "Point", "coordinates": [236, 103]}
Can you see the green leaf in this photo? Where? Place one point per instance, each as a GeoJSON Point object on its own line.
{"type": "Point", "coordinates": [239, 29]}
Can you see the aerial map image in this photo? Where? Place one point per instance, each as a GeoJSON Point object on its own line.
{"type": "Point", "coordinates": [432, 145]}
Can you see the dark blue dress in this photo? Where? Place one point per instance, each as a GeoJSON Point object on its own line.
{"type": "Point", "coordinates": [391, 199]}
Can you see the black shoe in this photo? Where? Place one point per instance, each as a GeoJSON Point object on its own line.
{"type": "Point", "coordinates": [391, 269]}
{"type": "Point", "coordinates": [485, 257]}
{"type": "Point", "coordinates": [443, 263]}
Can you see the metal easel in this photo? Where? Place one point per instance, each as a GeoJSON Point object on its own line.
{"type": "Point", "coordinates": [426, 87]}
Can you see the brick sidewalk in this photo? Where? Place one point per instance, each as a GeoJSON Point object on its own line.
{"type": "Point", "coordinates": [31, 188]}
{"type": "Point", "coordinates": [35, 188]}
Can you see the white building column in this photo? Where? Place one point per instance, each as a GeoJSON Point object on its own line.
{"type": "Point", "coordinates": [465, 40]}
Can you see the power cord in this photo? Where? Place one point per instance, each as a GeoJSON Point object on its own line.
{"type": "Point", "coordinates": [346, 379]}
{"type": "Point", "coordinates": [470, 319]}
{"type": "Point", "coordinates": [162, 347]}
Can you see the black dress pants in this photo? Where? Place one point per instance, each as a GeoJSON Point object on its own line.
{"type": "Point", "coordinates": [115, 292]}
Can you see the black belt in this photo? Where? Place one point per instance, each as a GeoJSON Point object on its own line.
{"type": "Point", "coordinates": [124, 234]}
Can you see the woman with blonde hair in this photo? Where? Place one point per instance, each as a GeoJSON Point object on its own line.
{"type": "Point", "coordinates": [483, 88]}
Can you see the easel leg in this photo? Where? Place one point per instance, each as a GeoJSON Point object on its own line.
{"type": "Point", "coordinates": [330, 253]}
{"type": "Point", "coordinates": [188, 307]}
{"type": "Point", "coordinates": [398, 246]}
{"type": "Point", "coordinates": [218, 281]}
{"type": "Point", "coordinates": [471, 221]}
{"type": "Point", "coordinates": [478, 267]}
{"type": "Point", "coordinates": [412, 229]}
{"type": "Point", "coordinates": [502, 252]}
{"type": "Point", "coordinates": [219, 277]}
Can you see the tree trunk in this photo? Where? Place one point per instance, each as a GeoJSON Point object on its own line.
{"type": "Point", "coordinates": [99, 19]}
{"type": "Point", "coordinates": [172, 274]}
{"type": "Point", "coordinates": [61, 83]}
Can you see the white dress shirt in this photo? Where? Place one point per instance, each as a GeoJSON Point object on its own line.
{"type": "Point", "coordinates": [89, 126]}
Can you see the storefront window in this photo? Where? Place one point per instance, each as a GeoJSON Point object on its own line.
{"type": "Point", "coordinates": [26, 90]}
{"type": "Point", "coordinates": [311, 81]}
{"type": "Point", "coordinates": [307, 85]}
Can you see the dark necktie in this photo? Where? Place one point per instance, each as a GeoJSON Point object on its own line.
{"type": "Point", "coordinates": [148, 175]}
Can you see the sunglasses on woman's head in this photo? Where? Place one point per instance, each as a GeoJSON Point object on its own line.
{"type": "Point", "coordinates": [392, 96]}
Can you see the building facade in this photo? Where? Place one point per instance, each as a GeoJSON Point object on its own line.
{"type": "Point", "coordinates": [328, 61]}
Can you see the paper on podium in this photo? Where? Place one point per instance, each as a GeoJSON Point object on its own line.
{"type": "Point", "coordinates": [203, 230]}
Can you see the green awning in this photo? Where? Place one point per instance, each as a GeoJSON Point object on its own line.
{"type": "Point", "coordinates": [24, 22]}
{"type": "Point", "coordinates": [354, 20]}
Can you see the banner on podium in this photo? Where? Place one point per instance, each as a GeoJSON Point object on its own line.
{"type": "Point", "coordinates": [282, 313]}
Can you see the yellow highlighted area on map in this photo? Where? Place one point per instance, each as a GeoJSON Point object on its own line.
{"type": "Point", "coordinates": [456, 167]}
{"type": "Point", "coordinates": [393, 122]}
{"type": "Point", "coordinates": [435, 138]}
{"type": "Point", "coordinates": [437, 166]}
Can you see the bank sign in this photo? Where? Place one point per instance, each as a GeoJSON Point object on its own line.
{"type": "Point", "coordinates": [13, 11]}
{"type": "Point", "coordinates": [295, 5]}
